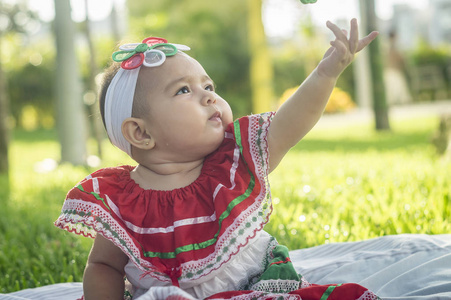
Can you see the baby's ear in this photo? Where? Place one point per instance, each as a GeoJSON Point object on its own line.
{"type": "Point", "coordinates": [135, 132]}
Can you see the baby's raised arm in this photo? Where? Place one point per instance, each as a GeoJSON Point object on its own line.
{"type": "Point", "coordinates": [297, 116]}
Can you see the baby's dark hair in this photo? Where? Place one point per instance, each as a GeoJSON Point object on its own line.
{"type": "Point", "coordinates": [108, 75]}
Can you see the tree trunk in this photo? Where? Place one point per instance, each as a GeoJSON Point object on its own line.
{"type": "Point", "coordinates": [115, 23]}
{"type": "Point", "coordinates": [70, 111]}
{"type": "Point", "coordinates": [93, 71]}
{"type": "Point", "coordinates": [261, 71]}
{"type": "Point", "coordinates": [362, 72]}
{"type": "Point", "coordinates": [4, 129]}
{"type": "Point", "coordinates": [380, 106]}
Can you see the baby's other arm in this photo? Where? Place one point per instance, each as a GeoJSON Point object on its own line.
{"type": "Point", "coordinates": [104, 273]}
{"type": "Point", "coordinates": [297, 116]}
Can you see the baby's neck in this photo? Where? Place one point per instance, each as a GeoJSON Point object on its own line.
{"type": "Point", "coordinates": [166, 176]}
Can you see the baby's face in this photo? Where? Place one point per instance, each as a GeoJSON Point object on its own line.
{"type": "Point", "coordinates": [186, 117]}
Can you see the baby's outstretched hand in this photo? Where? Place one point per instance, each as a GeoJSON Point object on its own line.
{"type": "Point", "coordinates": [343, 49]}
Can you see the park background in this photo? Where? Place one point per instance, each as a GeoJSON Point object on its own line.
{"type": "Point", "coordinates": [350, 179]}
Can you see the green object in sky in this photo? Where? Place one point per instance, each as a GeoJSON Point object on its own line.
{"type": "Point", "coordinates": [308, 1]}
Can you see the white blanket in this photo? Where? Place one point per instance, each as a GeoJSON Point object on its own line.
{"type": "Point", "coordinates": [394, 267]}
{"type": "Point", "coordinates": [410, 267]}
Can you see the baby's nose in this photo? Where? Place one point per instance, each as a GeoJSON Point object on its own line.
{"type": "Point", "coordinates": [209, 99]}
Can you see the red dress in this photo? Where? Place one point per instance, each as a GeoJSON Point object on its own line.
{"type": "Point", "coordinates": [190, 237]}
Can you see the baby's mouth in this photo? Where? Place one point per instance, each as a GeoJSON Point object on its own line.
{"type": "Point", "coordinates": [216, 117]}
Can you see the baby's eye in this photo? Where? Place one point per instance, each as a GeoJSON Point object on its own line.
{"type": "Point", "coordinates": [183, 90]}
{"type": "Point", "coordinates": [210, 88]}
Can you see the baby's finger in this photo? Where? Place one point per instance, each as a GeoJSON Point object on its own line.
{"type": "Point", "coordinates": [337, 31]}
{"type": "Point", "coordinates": [354, 36]}
{"type": "Point", "coordinates": [340, 47]}
{"type": "Point", "coordinates": [367, 40]}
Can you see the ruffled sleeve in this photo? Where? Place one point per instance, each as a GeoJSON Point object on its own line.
{"type": "Point", "coordinates": [85, 205]}
{"type": "Point", "coordinates": [250, 135]}
{"type": "Point", "coordinates": [91, 208]}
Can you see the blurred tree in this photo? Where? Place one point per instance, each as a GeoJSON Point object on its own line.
{"type": "Point", "coordinates": [70, 112]}
{"type": "Point", "coordinates": [13, 18]}
{"type": "Point", "coordinates": [217, 34]}
{"type": "Point", "coordinates": [115, 22]}
{"type": "Point", "coordinates": [380, 106]}
{"type": "Point", "coordinates": [93, 70]}
{"type": "Point", "coordinates": [4, 114]}
{"type": "Point", "coordinates": [294, 58]}
{"type": "Point", "coordinates": [261, 70]}
{"type": "Point", "coordinates": [30, 82]}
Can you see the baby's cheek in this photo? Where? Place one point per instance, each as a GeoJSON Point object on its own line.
{"type": "Point", "coordinates": [227, 115]}
{"type": "Point", "coordinates": [226, 122]}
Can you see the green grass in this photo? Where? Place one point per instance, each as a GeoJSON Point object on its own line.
{"type": "Point", "coordinates": [341, 184]}
{"type": "Point", "coordinates": [351, 184]}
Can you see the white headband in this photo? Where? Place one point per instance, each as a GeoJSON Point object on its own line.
{"type": "Point", "coordinates": [118, 106]}
{"type": "Point", "coordinates": [121, 91]}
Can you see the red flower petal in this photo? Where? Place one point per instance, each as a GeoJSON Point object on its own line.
{"type": "Point", "coordinates": [133, 62]}
{"type": "Point", "coordinates": [154, 40]}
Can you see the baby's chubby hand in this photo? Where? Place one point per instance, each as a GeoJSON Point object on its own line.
{"type": "Point", "coordinates": [343, 49]}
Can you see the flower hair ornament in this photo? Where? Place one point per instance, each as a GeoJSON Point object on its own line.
{"type": "Point", "coordinates": [151, 52]}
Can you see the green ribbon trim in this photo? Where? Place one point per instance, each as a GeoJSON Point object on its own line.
{"type": "Point", "coordinates": [237, 130]}
{"type": "Point", "coordinates": [166, 48]}
{"type": "Point", "coordinates": [224, 215]}
{"type": "Point", "coordinates": [97, 196]}
{"type": "Point", "coordinates": [198, 246]}
{"type": "Point", "coordinates": [329, 291]}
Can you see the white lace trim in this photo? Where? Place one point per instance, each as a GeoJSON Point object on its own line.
{"type": "Point", "coordinates": [276, 285]}
{"type": "Point", "coordinates": [368, 295]}
{"type": "Point", "coordinates": [256, 295]}
{"type": "Point", "coordinates": [304, 283]}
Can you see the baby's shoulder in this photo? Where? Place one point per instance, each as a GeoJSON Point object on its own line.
{"type": "Point", "coordinates": [104, 179]}
{"type": "Point", "coordinates": [112, 172]}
